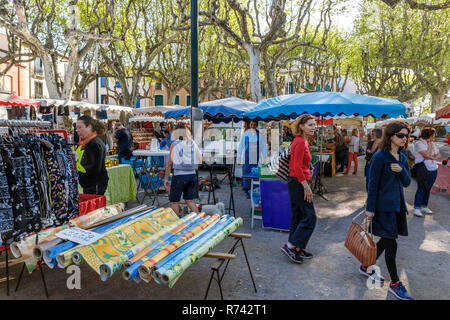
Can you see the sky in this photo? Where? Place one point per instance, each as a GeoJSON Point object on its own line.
{"type": "Point", "coordinates": [344, 21]}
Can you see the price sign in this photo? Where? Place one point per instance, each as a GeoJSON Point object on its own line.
{"type": "Point", "coordinates": [80, 236]}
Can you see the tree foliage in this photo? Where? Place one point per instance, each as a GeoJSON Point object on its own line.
{"type": "Point", "coordinates": [401, 53]}
{"type": "Point", "coordinates": [54, 31]}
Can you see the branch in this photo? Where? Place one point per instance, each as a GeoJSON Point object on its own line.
{"type": "Point", "coordinates": [419, 6]}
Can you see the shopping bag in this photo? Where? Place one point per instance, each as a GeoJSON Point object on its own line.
{"type": "Point", "coordinates": [279, 165]}
{"type": "Point", "coordinates": [360, 243]}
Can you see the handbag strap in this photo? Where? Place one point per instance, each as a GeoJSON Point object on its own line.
{"type": "Point", "coordinates": [364, 223]}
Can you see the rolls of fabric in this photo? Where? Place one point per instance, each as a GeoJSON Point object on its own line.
{"type": "Point", "coordinates": [134, 263]}
{"type": "Point", "coordinates": [112, 266]}
{"type": "Point", "coordinates": [173, 274]}
{"type": "Point", "coordinates": [50, 254]}
{"type": "Point", "coordinates": [25, 247]}
{"type": "Point", "coordinates": [124, 238]}
{"type": "Point", "coordinates": [145, 268]}
{"type": "Point", "coordinates": [47, 238]}
{"type": "Point", "coordinates": [65, 258]}
{"type": "Point", "coordinates": [173, 259]}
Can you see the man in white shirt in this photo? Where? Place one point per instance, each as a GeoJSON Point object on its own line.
{"type": "Point", "coordinates": [185, 156]}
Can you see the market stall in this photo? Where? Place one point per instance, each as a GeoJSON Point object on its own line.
{"type": "Point", "coordinates": [443, 112]}
{"type": "Point", "coordinates": [13, 107]}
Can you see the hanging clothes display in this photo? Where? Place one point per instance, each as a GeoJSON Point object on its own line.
{"type": "Point", "coordinates": [38, 184]}
{"type": "Point", "coordinates": [21, 180]}
{"type": "Point", "coordinates": [6, 213]}
{"type": "Point", "coordinates": [63, 179]}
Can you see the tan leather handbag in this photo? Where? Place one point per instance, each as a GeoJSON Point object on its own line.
{"type": "Point", "coordinates": [360, 242]}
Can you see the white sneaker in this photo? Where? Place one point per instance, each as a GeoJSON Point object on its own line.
{"type": "Point", "coordinates": [426, 210]}
{"type": "Point", "coordinates": [418, 213]}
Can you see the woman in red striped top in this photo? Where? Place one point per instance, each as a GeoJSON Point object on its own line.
{"type": "Point", "coordinates": [303, 215]}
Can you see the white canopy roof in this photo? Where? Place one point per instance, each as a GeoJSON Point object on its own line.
{"type": "Point", "coordinates": [429, 118]}
{"type": "Point", "coordinates": [84, 105]}
{"type": "Point", "coordinates": [151, 119]}
{"type": "Point", "coordinates": [161, 109]}
{"type": "Point", "coordinates": [115, 109]}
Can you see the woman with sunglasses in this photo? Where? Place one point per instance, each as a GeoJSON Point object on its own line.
{"type": "Point", "coordinates": [425, 154]}
{"type": "Point", "coordinates": [386, 207]}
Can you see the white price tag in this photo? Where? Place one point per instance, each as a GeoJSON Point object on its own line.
{"type": "Point", "coordinates": [81, 236]}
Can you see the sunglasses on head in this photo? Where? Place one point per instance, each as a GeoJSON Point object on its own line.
{"type": "Point", "coordinates": [401, 135]}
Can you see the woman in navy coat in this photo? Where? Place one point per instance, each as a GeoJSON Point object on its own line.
{"type": "Point", "coordinates": [386, 207]}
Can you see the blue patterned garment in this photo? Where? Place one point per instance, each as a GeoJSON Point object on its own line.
{"type": "Point", "coordinates": [6, 213]}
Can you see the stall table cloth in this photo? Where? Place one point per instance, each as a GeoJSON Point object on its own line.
{"type": "Point", "coordinates": [121, 185]}
{"type": "Point", "coordinates": [442, 180]}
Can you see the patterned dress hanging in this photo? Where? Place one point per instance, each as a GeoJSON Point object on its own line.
{"type": "Point", "coordinates": [6, 212]}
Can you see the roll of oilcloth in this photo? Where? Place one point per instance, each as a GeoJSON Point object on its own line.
{"type": "Point", "coordinates": [133, 264]}
{"type": "Point", "coordinates": [187, 249]}
{"type": "Point", "coordinates": [174, 273]}
{"type": "Point", "coordinates": [145, 268]}
{"type": "Point", "coordinates": [111, 267]}
{"type": "Point", "coordinates": [39, 250]}
{"type": "Point", "coordinates": [51, 254]}
{"type": "Point", "coordinates": [173, 255]}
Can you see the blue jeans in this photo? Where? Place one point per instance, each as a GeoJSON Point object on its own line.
{"type": "Point", "coordinates": [422, 195]}
{"type": "Point", "coordinates": [303, 215]}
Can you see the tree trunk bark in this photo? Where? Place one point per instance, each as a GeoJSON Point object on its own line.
{"type": "Point", "coordinates": [171, 96]}
{"type": "Point", "coordinates": [437, 99]}
{"type": "Point", "coordinates": [271, 83]}
{"type": "Point", "coordinates": [255, 65]}
{"type": "Point", "coordinates": [51, 76]}
{"type": "Point", "coordinates": [71, 76]}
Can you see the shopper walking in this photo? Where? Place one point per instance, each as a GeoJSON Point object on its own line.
{"type": "Point", "coordinates": [303, 215]}
{"type": "Point", "coordinates": [372, 147]}
{"type": "Point", "coordinates": [386, 207]}
{"type": "Point", "coordinates": [91, 154]}
{"type": "Point", "coordinates": [353, 151]}
{"type": "Point", "coordinates": [124, 139]}
{"type": "Point", "coordinates": [184, 158]}
{"type": "Point", "coordinates": [426, 155]}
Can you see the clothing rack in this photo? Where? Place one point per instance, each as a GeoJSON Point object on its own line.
{"type": "Point", "coordinates": [25, 123]}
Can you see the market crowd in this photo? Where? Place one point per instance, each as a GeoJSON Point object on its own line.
{"type": "Point", "coordinates": [393, 155]}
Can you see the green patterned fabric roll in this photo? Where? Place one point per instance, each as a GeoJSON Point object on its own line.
{"type": "Point", "coordinates": [175, 272]}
